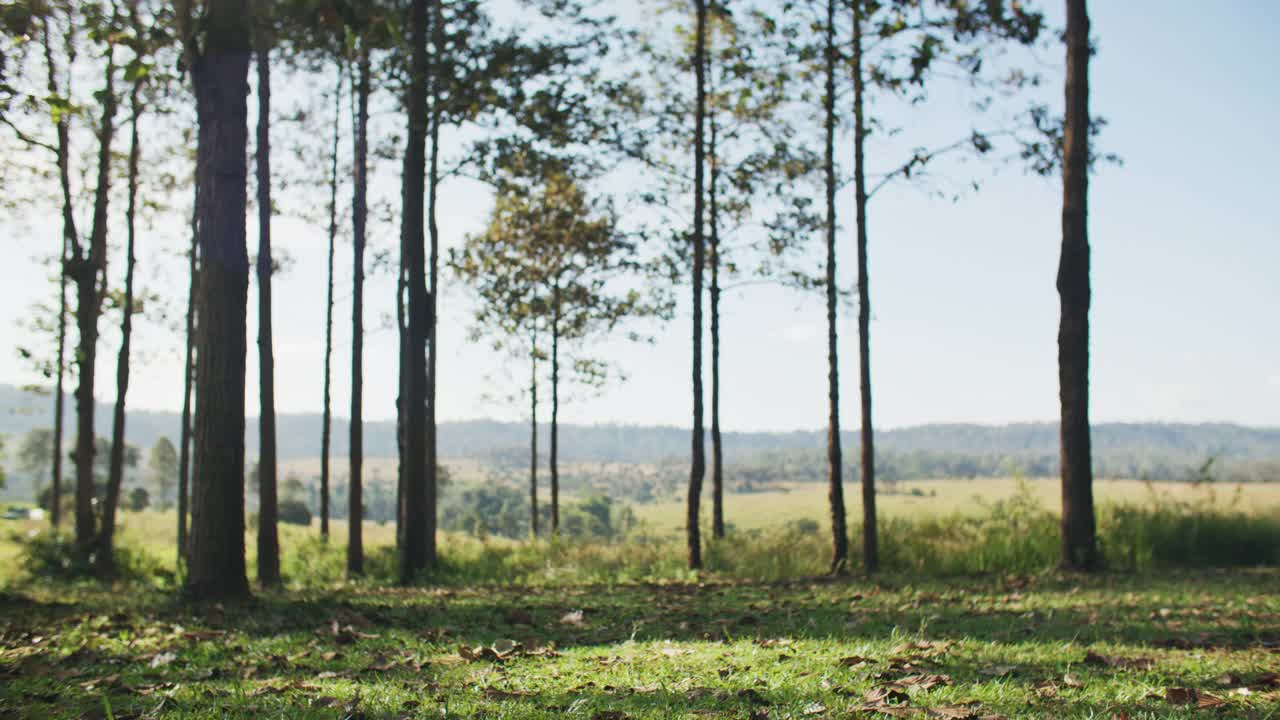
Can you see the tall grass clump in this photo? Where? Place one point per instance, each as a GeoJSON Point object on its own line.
{"type": "Point", "coordinates": [1167, 532]}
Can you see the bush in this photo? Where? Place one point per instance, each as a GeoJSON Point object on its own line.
{"type": "Point", "coordinates": [51, 555]}
{"type": "Point", "coordinates": [294, 512]}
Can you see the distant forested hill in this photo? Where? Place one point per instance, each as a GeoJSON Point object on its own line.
{"type": "Point", "coordinates": [1158, 450]}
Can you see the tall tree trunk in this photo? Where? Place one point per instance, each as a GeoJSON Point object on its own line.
{"type": "Point", "coordinates": [413, 557]}
{"type": "Point", "coordinates": [326, 421]}
{"type": "Point", "coordinates": [104, 555]}
{"type": "Point", "coordinates": [835, 461]}
{"type": "Point", "coordinates": [697, 469]}
{"type": "Point", "coordinates": [533, 435]}
{"type": "Point", "coordinates": [59, 395]}
{"type": "Point", "coordinates": [359, 217]}
{"type": "Point", "coordinates": [268, 509]}
{"type": "Point", "coordinates": [188, 379]}
{"type": "Point", "coordinates": [219, 72]}
{"type": "Point", "coordinates": [90, 276]}
{"type": "Point", "coordinates": [189, 374]}
{"type": "Point", "coordinates": [433, 460]}
{"type": "Point", "coordinates": [870, 547]}
{"type": "Point", "coordinates": [555, 410]}
{"type": "Point", "coordinates": [717, 450]}
{"type": "Point", "coordinates": [70, 240]}
{"type": "Point", "coordinates": [402, 333]}
{"type": "Point", "coordinates": [1079, 544]}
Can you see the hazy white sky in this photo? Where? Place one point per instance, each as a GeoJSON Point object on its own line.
{"type": "Point", "coordinates": [1186, 259]}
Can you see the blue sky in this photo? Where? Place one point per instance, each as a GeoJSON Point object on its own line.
{"type": "Point", "coordinates": [1186, 251]}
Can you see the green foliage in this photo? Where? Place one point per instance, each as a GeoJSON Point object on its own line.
{"type": "Point", "coordinates": [50, 555]}
{"type": "Point", "coordinates": [162, 471]}
{"type": "Point", "coordinates": [294, 512]}
{"type": "Point", "coordinates": [139, 500]}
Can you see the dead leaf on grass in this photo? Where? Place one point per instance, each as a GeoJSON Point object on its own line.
{"type": "Point", "coordinates": [815, 708]}
{"type": "Point", "coordinates": [853, 661]}
{"type": "Point", "coordinates": [1121, 663]}
{"type": "Point", "coordinates": [998, 670]}
{"type": "Point", "coordinates": [887, 694]}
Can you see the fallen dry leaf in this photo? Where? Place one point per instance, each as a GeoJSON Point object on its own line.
{"type": "Point", "coordinates": [815, 708]}
{"type": "Point", "coordinates": [886, 695]}
{"type": "Point", "coordinates": [1138, 663]}
{"type": "Point", "coordinates": [853, 660]}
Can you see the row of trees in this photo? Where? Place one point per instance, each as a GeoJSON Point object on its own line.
{"type": "Point", "coordinates": [555, 267]}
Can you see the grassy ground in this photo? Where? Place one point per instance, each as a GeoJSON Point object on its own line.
{"type": "Point", "coordinates": [1174, 645]}
{"type": "Point", "coordinates": [803, 501]}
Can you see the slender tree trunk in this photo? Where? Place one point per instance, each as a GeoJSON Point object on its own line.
{"type": "Point", "coordinates": [1079, 544]}
{"type": "Point", "coordinates": [697, 469]}
{"type": "Point", "coordinates": [189, 373]}
{"type": "Point", "coordinates": [70, 239]}
{"type": "Point", "coordinates": [90, 275]}
{"type": "Point", "coordinates": [326, 421]}
{"type": "Point", "coordinates": [555, 410]}
{"type": "Point", "coordinates": [533, 435]}
{"type": "Point", "coordinates": [188, 379]}
{"type": "Point", "coordinates": [414, 558]}
{"type": "Point", "coordinates": [359, 217]}
{"type": "Point", "coordinates": [59, 399]}
{"type": "Point", "coordinates": [402, 332]}
{"type": "Point", "coordinates": [433, 459]}
{"type": "Point", "coordinates": [268, 509]}
{"type": "Point", "coordinates": [835, 460]}
{"type": "Point", "coordinates": [104, 555]}
{"type": "Point", "coordinates": [220, 72]}
{"type": "Point", "coordinates": [870, 547]}
{"type": "Point", "coordinates": [717, 450]}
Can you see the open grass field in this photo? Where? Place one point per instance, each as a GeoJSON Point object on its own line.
{"type": "Point", "coordinates": [1169, 646]}
{"type": "Point", "coordinates": [808, 501]}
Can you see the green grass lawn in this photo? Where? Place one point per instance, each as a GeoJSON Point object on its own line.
{"type": "Point", "coordinates": [1159, 646]}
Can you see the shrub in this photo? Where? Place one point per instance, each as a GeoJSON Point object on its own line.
{"type": "Point", "coordinates": [294, 512]}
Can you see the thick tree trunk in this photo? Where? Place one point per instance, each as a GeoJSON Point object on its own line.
{"type": "Point", "coordinates": [717, 451]}
{"type": "Point", "coordinates": [268, 508]}
{"type": "Point", "coordinates": [433, 460]}
{"type": "Point", "coordinates": [70, 240]}
{"type": "Point", "coordinates": [697, 469]}
{"type": "Point", "coordinates": [835, 461]}
{"type": "Point", "coordinates": [555, 410]}
{"type": "Point", "coordinates": [220, 75]}
{"type": "Point", "coordinates": [359, 217]}
{"type": "Point", "coordinates": [104, 554]}
{"type": "Point", "coordinates": [326, 421]}
{"type": "Point", "coordinates": [533, 436]}
{"type": "Point", "coordinates": [90, 276]}
{"type": "Point", "coordinates": [189, 373]}
{"type": "Point", "coordinates": [414, 557]}
{"type": "Point", "coordinates": [870, 547]}
{"type": "Point", "coordinates": [1079, 544]}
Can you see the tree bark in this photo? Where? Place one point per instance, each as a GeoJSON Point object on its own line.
{"type": "Point", "coordinates": [835, 461]}
{"type": "Point", "coordinates": [70, 239]}
{"type": "Point", "coordinates": [1079, 544]}
{"type": "Point", "coordinates": [717, 451]}
{"type": "Point", "coordinates": [533, 436]}
{"type": "Point", "coordinates": [90, 276]}
{"type": "Point", "coordinates": [433, 461]}
{"type": "Point", "coordinates": [220, 75]}
{"type": "Point", "coordinates": [189, 372]}
{"type": "Point", "coordinates": [268, 509]}
{"type": "Point", "coordinates": [104, 554]}
{"type": "Point", "coordinates": [697, 469]}
{"type": "Point", "coordinates": [870, 548]}
{"type": "Point", "coordinates": [413, 557]}
{"type": "Point", "coordinates": [555, 410]}
{"type": "Point", "coordinates": [326, 421]}
{"type": "Point", "coordinates": [359, 218]}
